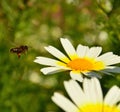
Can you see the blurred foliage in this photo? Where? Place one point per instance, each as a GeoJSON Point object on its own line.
{"type": "Point", "coordinates": [38, 23]}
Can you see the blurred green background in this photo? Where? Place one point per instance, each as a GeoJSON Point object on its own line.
{"type": "Point", "coordinates": [39, 23]}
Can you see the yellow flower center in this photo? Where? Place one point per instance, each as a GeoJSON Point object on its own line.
{"type": "Point", "coordinates": [98, 108]}
{"type": "Point", "coordinates": [85, 64]}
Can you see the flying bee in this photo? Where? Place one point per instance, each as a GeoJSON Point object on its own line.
{"type": "Point", "coordinates": [19, 50]}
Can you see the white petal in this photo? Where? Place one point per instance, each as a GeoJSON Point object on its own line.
{"type": "Point", "coordinates": [106, 72]}
{"type": "Point", "coordinates": [82, 50]}
{"type": "Point", "coordinates": [109, 58]}
{"type": "Point", "coordinates": [112, 69]}
{"type": "Point", "coordinates": [93, 74]}
{"type": "Point", "coordinates": [64, 103]}
{"type": "Point", "coordinates": [55, 52]}
{"type": "Point", "coordinates": [52, 70]}
{"type": "Point", "coordinates": [48, 61]}
{"type": "Point", "coordinates": [97, 95]}
{"type": "Point", "coordinates": [75, 92]}
{"type": "Point", "coordinates": [113, 96]}
{"type": "Point", "coordinates": [112, 61]}
{"type": "Point", "coordinates": [68, 47]}
{"type": "Point", "coordinates": [92, 90]}
{"type": "Point", "coordinates": [86, 88]}
{"type": "Point", "coordinates": [94, 52]}
{"type": "Point", "coordinates": [76, 76]}
{"type": "Point", "coordinates": [45, 61]}
{"type": "Point", "coordinates": [105, 56]}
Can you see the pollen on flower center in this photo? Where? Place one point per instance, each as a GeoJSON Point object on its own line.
{"type": "Point", "coordinates": [81, 64]}
{"type": "Point", "coordinates": [99, 108]}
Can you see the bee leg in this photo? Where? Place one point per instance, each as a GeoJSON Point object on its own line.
{"type": "Point", "coordinates": [25, 52]}
{"type": "Point", "coordinates": [18, 54]}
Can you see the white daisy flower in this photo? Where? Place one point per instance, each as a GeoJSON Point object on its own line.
{"type": "Point", "coordinates": [89, 98]}
{"type": "Point", "coordinates": [83, 60]}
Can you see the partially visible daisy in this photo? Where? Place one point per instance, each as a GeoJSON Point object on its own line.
{"type": "Point", "coordinates": [83, 60]}
{"type": "Point", "coordinates": [89, 98]}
